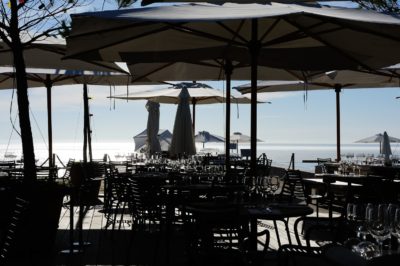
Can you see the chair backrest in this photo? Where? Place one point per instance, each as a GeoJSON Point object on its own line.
{"type": "Point", "coordinates": [217, 228]}
{"type": "Point", "coordinates": [293, 187]}
{"type": "Point", "coordinates": [245, 153]}
{"type": "Point", "coordinates": [298, 255]}
{"type": "Point", "coordinates": [145, 198]}
{"type": "Point", "coordinates": [14, 226]}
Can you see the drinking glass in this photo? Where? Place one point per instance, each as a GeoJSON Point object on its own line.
{"type": "Point", "coordinates": [359, 220]}
{"type": "Point", "coordinates": [396, 225]}
{"type": "Point", "coordinates": [350, 212]}
{"type": "Point", "coordinates": [377, 220]}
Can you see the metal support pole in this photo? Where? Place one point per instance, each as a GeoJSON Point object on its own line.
{"type": "Point", "coordinates": [338, 89]}
{"type": "Point", "coordinates": [228, 74]}
{"type": "Point", "coordinates": [254, 48]}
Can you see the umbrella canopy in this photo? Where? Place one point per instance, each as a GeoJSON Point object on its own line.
{"type": "Point", "coordinates": [199, 93]}
{"type": "Point", "coordinates": [153, 125]}
{"type": "Point", "coordinates": [164, 137]}
{"type": "Point", "coordinates": [291, 36]}
{"type": "Point", "coordinates": [49, 53]}
{"type": "Point", "coordinates": [176, 69]}
{"type": "Point", "coordinates": [378, 138]}
{"type": "Point", "coordinates": [205, 136]}
{"type": "Point", "coordinates": [52, 77]}
{"type": "Point", "coordinates": [182, 136]}
{"type": "Point", "coordinates": [148, 2]}
{"type": "Point", "coordinates": [284, 30]}
{"type": "Point", "coordinates": [333, 80]}
{"type": "Point", "coordinates": [238, 137]}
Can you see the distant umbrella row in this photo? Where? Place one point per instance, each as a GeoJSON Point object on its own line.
{"type": "Point", "coordinates": [164, 137]}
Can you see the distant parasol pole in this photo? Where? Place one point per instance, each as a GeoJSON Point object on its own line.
{"type": "Point", "coordinates": [254, 49]}
{"type": "Point", "coordinates": [48, 83]}
{"type": "Point", "coordinates": [338, 89]}
{"type": "Point", "coordinates": [228, 74]}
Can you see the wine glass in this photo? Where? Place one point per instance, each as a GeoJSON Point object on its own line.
{"type": "Point", "coordinates": [359, 220]}
{"type": "Point", "coordinates": [377, 220]}
{"type": "Point", "coordinates": [395, 222]}
{"type": "Point", "coordinates": [350, 212]}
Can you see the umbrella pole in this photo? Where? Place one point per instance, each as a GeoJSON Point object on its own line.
{"type": "Point", "coordinates": [254, 48]}
{"type": "Point", "coordinates": [228, 73]}
{"type": "Point", "coordinates": [48, 85]}
{"type": "Point", "coordinates": [338, 89]}
{"type": "Point", "coordinates": [85, 121]}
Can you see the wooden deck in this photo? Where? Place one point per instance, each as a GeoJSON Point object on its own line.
{"type": "Point", "coordinates": [124, 246]}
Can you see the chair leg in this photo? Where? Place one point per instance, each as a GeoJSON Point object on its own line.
{"type": "Point", "coordinates": [277, 233]}
{"type": "Point", "coordinates": [115, 215]}
{"type": "Point", "coordinates": [121, 220]}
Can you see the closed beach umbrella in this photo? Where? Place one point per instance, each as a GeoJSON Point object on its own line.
{"type": "Point", "coordinates": [182, 135]}
{"type": "Point", "coordinates": [386, 150]}
{"type": "Point", "coordinates": [153, 125]}
{"type": "Point", "coordinates": [378, 138]}
{"type": "Point", "coordinates": [291, 36]}
{"type": "Point", "coordinates": [333, 80]}
{"type": "Point", "coordinates": [205, 136]}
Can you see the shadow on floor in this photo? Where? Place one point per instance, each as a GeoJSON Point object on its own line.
{"type": "Point", "coordinates": [123, 247]}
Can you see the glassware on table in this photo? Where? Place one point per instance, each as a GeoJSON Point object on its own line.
{"type": "Point", "coordinates": [378, 223]}
{"type": "Point", "coordinates": [359, 220]}
{"type": "Point", "coordinates": [349, 211]}
{"type": "Point", "coordinates": [395, 225]}
{"type": "Point", "coordinates": [366, 249]}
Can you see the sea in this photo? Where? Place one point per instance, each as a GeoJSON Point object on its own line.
{"type": "Point", "coordinates": [280, 153]}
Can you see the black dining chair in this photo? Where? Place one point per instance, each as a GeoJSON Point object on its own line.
{"type": "Point", "coordinates": [12, 234]}
{"type": "Point", "coordinates": [293, 190]}
{"type": "Point", "coordinates": [294, 255]}
{"type": "Point", "coordinates": [214, 236]}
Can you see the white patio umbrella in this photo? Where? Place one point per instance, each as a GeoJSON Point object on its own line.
{"type": "Point", "coordinates": [164, 137]}
{"type": "Point", "coordinates": [291, 36]}
{"type": "Point", "coordinates": [333, 80]}
{"type": "Point", "coordinates": [205, 136]}
{"type": "Point", "coordinates": [182, 137]}
{"type": "Point", "coordinates": [238, 137]}
{"type": "Point", "coordinates": [199, 93]}
{"type": "Point", "coordinates": [47, 55]}
{"type": "Point", "coordinates": [378, 138]}
{"type": "Point", "coordinates": [52, 77]}
{"type": "Point", "coordinates": [220, 2]}
{"type": "Point", "coordinates": [153, 125]}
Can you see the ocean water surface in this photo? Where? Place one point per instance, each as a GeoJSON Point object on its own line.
{"type": "Point", "coordinates": [279, 153]}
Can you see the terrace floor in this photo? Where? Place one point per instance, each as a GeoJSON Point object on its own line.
{"type": "Point", "coordinates": [124, 246]}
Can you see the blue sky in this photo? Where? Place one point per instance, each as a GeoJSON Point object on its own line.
{"type": "Point", "coordinates": [288, 119]}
